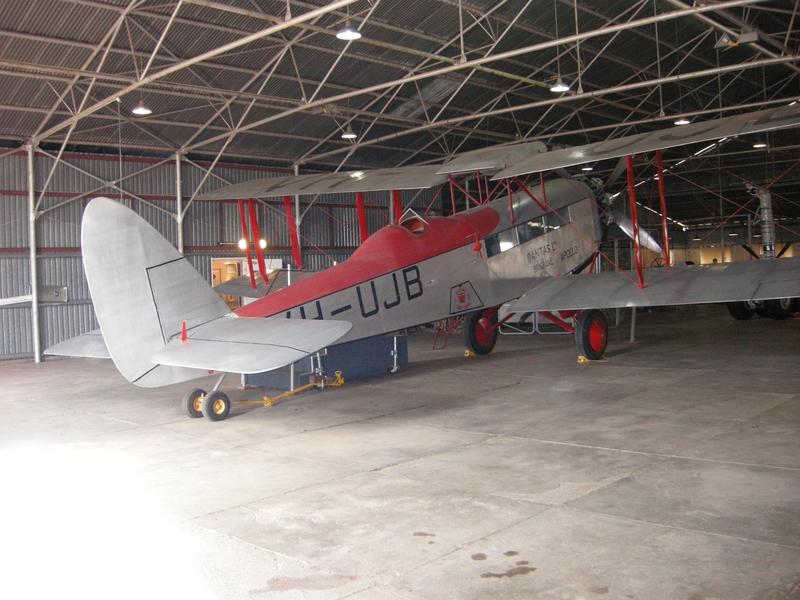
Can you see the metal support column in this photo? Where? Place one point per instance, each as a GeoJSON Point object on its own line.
{"type": "Point", "coordinates": [767, 225]}
{"type": "Point", "coordinates": [297, 220]}
{"type": "Point", "coordinates": [618, 320]}
{"type": "Point", "coordinates": [35, 332]}
{"type": "Point", "coordinates": [179, 201]}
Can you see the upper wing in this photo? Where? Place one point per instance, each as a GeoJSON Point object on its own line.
{"type": "Point", "coordinates": [493, 158]}
{"type": "Point", "coordinates": [400, 178]}
{"type": "Point", "coordinates": [250, 345]}
{"type": "Point", "coordinates": [763, 120]}
{"type": "Point", "coordinates": [748, 280]}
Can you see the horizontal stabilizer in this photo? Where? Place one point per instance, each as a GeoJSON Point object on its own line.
{"type": "Point", "coordinates": [241, 286]}
{"type": "Point", "coordinates": [88, 345]}
{"type": "Point", "coordinates": [250, 345]}
{"type": "Point", "coordinates": [731, 282]}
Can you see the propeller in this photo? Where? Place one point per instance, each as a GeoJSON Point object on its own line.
{"type": "Point", "coordinates": [645, 239]}
{"type": "Point", "coordinates": [624, 223]}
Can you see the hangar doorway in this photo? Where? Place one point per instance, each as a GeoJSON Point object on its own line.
{"type": "Point", "coordinates": [224, 270]}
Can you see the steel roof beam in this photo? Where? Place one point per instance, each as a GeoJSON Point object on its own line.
{"type": "Point", "coordinates": [501, 56]}
{"type": "Point", "coordinates": [198, 59]}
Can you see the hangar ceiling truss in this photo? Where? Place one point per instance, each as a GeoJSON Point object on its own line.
{"type": "Point", "coordinates": [268, 81]}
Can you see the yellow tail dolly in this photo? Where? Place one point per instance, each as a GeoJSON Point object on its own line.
{"type": "Point", "coordinates": [317, 382]}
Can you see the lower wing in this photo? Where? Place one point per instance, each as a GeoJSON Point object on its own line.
{"type": "Point", "coordinates": [731, 282]}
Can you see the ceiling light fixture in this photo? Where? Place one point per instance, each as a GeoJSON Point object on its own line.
{"type": "Point", "coordinates": [559, 86]}
{"type": "Point", "coordinates": [682, 121]}
{"type": "Point", "coordinates": [348, 32]}
{"type": "Point", "coordinates": [349, 134]}
{"type": "Point", "coordinates": [587, 168]}
{"type": "Point", "coordinates": [759, 144]}
{"type": "Point", "coordinates": [141, 110]}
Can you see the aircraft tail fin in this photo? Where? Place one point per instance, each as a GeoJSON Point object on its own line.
{"type": "Point", "coordinates": [143, 290]}
{"type": "Point", "coordinates": [161, 321]}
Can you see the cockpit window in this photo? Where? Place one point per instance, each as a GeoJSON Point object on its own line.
{"type": "Point", "coordinates": [415, 225]}
{"type": "Point", "coordinates": [413, 222]}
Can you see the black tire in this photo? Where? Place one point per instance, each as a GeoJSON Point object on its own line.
{"type": "Point", "coordinates": [796, 305]}
{"type": "Point", "coordinates": [779, 309]}
{"type": "Point", "coordinates": [741, 311]}
{"type": "Point", "coordinates": [591, 334]}
{"type": "Point", "coordinates": [216, 406]}
{"type": "Point", "coordinates": [193, 403]}
{"type": "Point", "coordinates": [480, 331]}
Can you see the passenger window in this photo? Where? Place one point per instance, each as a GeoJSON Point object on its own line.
{"type": "Point", "coordinates": [530, 230]}
{"type": "Point", "coordinates": [500, 242]}
{"type": "Point", "coordinates": [556, 219]}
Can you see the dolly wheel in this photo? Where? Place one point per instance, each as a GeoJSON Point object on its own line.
{"type": "Point", "coordinates": [193, 403]}
{"type": "Point", "coordinates": [591, 334]}
{"type": "Point", "coordinates": [216, 406]}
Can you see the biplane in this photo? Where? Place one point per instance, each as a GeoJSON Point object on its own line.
{"type": "Point", "coordinates": [531, 245]}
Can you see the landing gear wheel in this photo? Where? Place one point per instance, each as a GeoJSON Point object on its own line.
{"type": "Point", "coordinates": [741, 311]}
{"type": "Point", "coordinates": [480, 331]}
{"type": "Point", "coordinates": [216, 406]}
{"type": "Point", "coordinates": [778, 309]}
{"type": "Point", "coordinates": [193, 403]}
{"type": "Point", "coordinates": [591, 334]}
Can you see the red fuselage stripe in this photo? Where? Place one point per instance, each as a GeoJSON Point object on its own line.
{"type": "Point", "coordinates": [390, 249]}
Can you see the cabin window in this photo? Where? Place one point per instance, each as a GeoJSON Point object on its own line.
{"type": "Point", "coordinates": [500, 242]}
{"type": "Point", "coordinates": [530, 230]}
{"type": "Point", "coordinates": [536, 227]}
{"type": "Point", "coordinates": [554, 220]}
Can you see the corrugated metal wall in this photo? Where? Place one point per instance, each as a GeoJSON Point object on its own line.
{"type": "Point", "coordinates": [328, 234]}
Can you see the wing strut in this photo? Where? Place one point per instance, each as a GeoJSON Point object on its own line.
{"type": "Point", "coordinates": [662, 196]}
{"type": "Point", "coordinates": [298, 258]}
{"type": "Point", "coordinates": [245, 237]}
{"type": "Point", "coordinates": [398, 205]}
{"type": "Point", "coordinates": [362, 217]}
{"type": "Point", "coordinates": [262, 267]}
{"type": "Point", "coordinates": [637, 246]}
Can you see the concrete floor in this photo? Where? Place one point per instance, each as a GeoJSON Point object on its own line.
{"type": "Point", "coordinates": [670, 470]}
